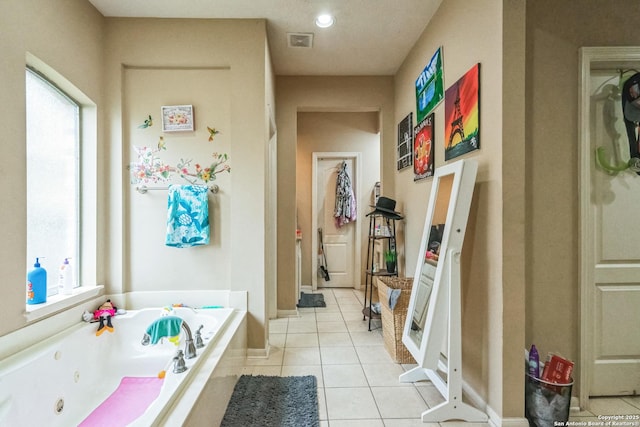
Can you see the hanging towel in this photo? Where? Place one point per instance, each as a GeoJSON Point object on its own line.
{"type": "Point", "coordinates": [345, 207]}
{"type": "Point", "coordinates": [187, 216]}
{"type": "Point", "coordinates": [164, 327]}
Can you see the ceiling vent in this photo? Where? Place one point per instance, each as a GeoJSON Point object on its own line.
{"type": "Point", "coordinates": [304, 40]}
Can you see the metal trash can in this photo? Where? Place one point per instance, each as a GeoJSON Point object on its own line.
{"type": "Point", "coordinates": [546, 403]}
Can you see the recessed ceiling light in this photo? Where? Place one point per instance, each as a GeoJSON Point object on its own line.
{"type": "Point", "coordinates": [325, 20]}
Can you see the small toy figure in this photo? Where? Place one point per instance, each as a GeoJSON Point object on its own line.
{"type": "Point", "coordinates": [105, 312]}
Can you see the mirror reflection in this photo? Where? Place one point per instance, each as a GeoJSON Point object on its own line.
{"type": "Point", "coordinates": [431, 257]}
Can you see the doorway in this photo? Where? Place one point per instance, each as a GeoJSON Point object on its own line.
{"type": "Point", "coordinates": [610, 256]}
{"type": "Point", "coordinates": [340, 248]}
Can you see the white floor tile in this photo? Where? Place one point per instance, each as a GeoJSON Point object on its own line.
{"type": "Point", "coordinates": [357, 423]}
{"type": "Point", "coordinates": [329, 316]}
{"type": "Point", "coordinates": [302, 340]}
{"type": "Point", "coordinates": [322, 405]}
{"type": "Point", "coordinates": [331, 307]}
{"type": "Point", "coordinates": [351, 403]}
{"type": "Point", "coordinates": [366, 338]}
{"type": "Point", "coordinates": [266, 370]}
{"type": "Point", "coordinates": [333, 326]}
{"type": "Point", "coordinates": [301, 327]}
{"type": "Point", "coordinates": [301, 356]}
{"type": "Point", "coordinates": [335, 339]}
{"type": "Point", "coordinates": [373, 354]}
{"type": "Point", "coordinates": [359, 325]}
{"type": "Point", "coordinates": [384, 375]}
{"type": "Point", "coordinates": [410, 422]}
{"type": "Point", "coordinates": [429, 393]}
{"type": "Point", "coordinates": [339, 356]}
{"type": "Point", "coordinates": [344, 376]}
{"type": "Point", "coordinates": [399, 402]}
{"type": "Point", "coordinates": [278, 326]}
{"type": "Point", "coordinates": [354, 315]}
{"type": "Point", "coordinates": [351, 307]}
{"type": "Point", "coordinates": [611, 406]}
{"type": "Point", "coordinates": [275, 358]}
{"type": "Point", "coordinates": [277, 340]}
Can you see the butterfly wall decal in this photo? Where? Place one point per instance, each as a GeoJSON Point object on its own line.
{"type": "Point", "coordinates": [148, 122]}
{"type": "Point", "coordinates": [212, 133]}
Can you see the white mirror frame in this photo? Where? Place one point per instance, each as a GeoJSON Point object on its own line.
{"type": "Point", "coordinates": [443, 317]}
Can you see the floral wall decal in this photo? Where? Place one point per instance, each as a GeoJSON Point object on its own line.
{"type": "Point", "coordinates": [150, 168]}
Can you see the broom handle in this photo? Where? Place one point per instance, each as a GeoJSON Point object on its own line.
{"type": "Point", "coordinates": [324, 256]}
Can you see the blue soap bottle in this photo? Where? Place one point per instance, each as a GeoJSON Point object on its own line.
{"type": "Point", "coordinates": [37, 284]}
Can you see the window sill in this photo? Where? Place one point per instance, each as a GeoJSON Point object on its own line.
{"type": "Point", "coordinates": [59, 302]}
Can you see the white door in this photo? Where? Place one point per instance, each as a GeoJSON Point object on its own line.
{"type": "Point", "coordinates": [616, 283]}
{"type": "Point", "coordinates": [611, 241]}
{"type": "Point", "coordinates": [339, 243]}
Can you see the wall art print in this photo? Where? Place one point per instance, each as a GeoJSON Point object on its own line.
{"type": "Point", "coordinates": [462, 115]}
{"type": "Point", "coordinates": [423, 148]}
{"type": "Point", "coordinates": [177, 118]}
{"type": "Point", "coordinates": [429, 86]}
{"type": "Point", "coordinates": [405, 142]}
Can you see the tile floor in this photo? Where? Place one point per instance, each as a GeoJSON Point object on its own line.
{"type": "Point", "coordinates": [357, 379]}
{"type": "Point", "coordinates": [610, 406]}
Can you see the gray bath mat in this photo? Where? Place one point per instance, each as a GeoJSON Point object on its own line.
{"type": "Point", "coordinates": [311, 300]}
{"type": "Point", "coordinates": [273, 402]}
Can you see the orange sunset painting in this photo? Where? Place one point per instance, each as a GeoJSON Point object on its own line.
{"type": "Point", "coordinates": [462, 115]}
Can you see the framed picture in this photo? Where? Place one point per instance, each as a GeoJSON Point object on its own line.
{"type": "Point", "coordinates": [423, 148]}
{"type": "Point", "coordinates": [429, 86]}
{"type": "Point", "coordinates": [405, 142]}
{"type": "Point", "coordinates": [462, 115]}
{"type": "Point", "coordinates": [177, 118]}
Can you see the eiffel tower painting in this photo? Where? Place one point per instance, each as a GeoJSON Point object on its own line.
{"type": "Point", "coordinates": [457, 128]}
{"type": "Point", "coordinates": [462, 115]}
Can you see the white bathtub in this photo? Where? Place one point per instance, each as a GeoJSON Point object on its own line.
{"type": "Point", "coordinates": [60, 381]}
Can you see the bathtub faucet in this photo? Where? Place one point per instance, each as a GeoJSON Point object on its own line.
{"type": "Point", "coordinates": [169, 327]}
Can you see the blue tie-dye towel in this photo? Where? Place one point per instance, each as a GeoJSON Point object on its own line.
{"type": "Point", "coordinates": [187, 216]}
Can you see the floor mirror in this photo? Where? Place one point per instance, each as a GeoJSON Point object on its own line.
{"type": "Point", "coordinates": [432, 329]}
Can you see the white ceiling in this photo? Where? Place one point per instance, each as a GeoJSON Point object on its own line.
{"type": "Point", "coordinates": [370, 37]}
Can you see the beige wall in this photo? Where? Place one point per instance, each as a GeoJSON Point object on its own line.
{"type": "Point", "coordinates": [219, 67]}
{"type": "Point", "coordinates": [55, 33]}
{"type": "Point", "coordinates": [555, 32]}
{"type": "Point", "coordinates": [320, 94]}
{"type": "Point", "coordinates": [335, 132]}
{"type": "Point", "coordinates": [491, 358]}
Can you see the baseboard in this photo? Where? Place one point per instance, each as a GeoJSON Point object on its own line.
{"type": "Point", "coordinates": [575, 404]}
{"type": "Point", "coordinates": [288, 313]}
{"type": "Point", "coordinates": [258, 353]}
{"type": "Point", "coordinates": [494, 420]}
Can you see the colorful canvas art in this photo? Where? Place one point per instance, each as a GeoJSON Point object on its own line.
{"type": "Point", "coordinates": [462, 115]}
{"type": "Point", "coordinates": [423, 149]}
{"type": "Point", "coordinates": [405, 142]}
{"type": "Point", "coordinates": [429, 86]}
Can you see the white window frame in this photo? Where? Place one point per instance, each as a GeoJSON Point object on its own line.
{"type": "Point", "coordinates": [88, 287]}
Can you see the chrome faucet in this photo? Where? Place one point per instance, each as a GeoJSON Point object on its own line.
{"type": "Point", "coordinates": [199, 342]}
{"type": "Point", "coordinates": [178, 363]}
{"type": "Point", "coordinates": [163, 332]}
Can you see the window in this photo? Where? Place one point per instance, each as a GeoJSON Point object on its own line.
{"type": "Point", "coordinates": [53, 177]}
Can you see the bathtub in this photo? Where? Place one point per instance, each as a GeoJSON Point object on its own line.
{"type": "Point", "coordinates": [61, 380]}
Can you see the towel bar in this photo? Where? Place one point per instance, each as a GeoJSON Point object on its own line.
{"type": "Point", "coordinates": [142, 189]}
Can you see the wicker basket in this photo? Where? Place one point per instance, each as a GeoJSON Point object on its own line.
{"type": "Point", "coordinates": [393, 320]}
